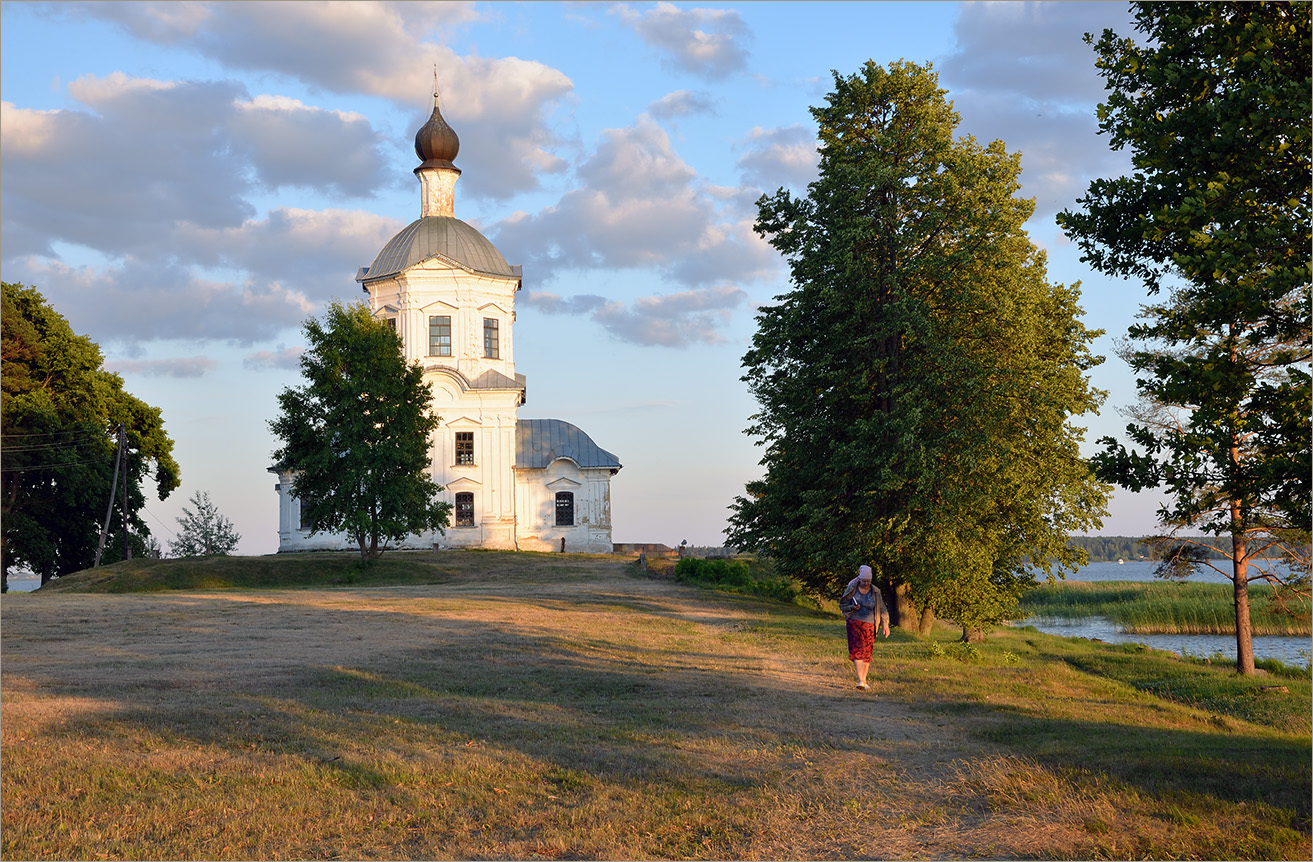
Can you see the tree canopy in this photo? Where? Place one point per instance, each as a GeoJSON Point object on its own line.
{"type": "Point", "coordinates": [917, 383]}
{"type": "Point", "coordinates": [1215, 109]}
{"type": "Point", "coordinates": [356, 435]}
{"type": "Point", "coordinates": [204, 532]}
{"type": "Point", "coordinates": [59, 411]}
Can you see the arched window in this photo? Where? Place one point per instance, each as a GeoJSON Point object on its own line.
{"type": "Point", "coordinates": [465, 509]}
{"type": "Point", "coordinates": [565, 508]}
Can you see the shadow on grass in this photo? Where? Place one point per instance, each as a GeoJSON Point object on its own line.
{"type": "Point", "coordinates": [1234, 766]}
{"type": "Point", "coordinates": [603, 706]}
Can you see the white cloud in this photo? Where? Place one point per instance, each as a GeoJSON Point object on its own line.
{"type": "Point", "coordinates": [180, 157]}
{"type": "Point", "coordinates": [1023, 74]}
{"type": "Point", "coordinates": [181, 367]}
{"type": "Point", "coordinates": [780, 157]}
{"type": "Point", "coordinates": [139, 301]}
{"type": "Point", "coordinates": [674, 320]}
{"type": "Point", "coordinates": [283, 358]}
{"type": "Point", "coordinates": [292, 144]}
{"type": "Point", "coordinates": [316, 251]}
{"type": "Point", "coordinates": [639, 205]}
{"type": "Point", "coordinates": [702, 42]}
{"type": "Point", "coordinates": [636, 204]}
{"type": "Point", "coordinates": [681, 103]}
{"type": "Point", "coordinates": [498, 106]}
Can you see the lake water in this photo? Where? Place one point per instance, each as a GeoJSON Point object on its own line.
{"type": "Point", "coordinates": [1288, 650]}
{"type": "Point", "coordinates": [23, 583]}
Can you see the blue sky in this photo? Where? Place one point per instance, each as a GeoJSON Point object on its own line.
{"type": "Point", "coordinates": [186, 182]}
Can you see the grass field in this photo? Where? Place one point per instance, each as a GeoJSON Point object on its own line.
{"type": "Point", "coordinates": [496, 705]}
{"type": "Point", "coordinates": [1164, 607]}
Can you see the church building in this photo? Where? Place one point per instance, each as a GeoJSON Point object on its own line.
{"type": "Point", "coordinates": [527, 484]}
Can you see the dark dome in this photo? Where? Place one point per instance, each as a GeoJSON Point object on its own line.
{"type": "Point", "coordinates": [436, 143]}
{"type": "Point", "coordinates": [438, 235]}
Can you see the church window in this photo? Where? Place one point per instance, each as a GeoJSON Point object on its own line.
{"type": "Point", "coordinates": [465, 509]}
{"type": "Point", "coordinates": [565, 508]}
{"type": "Point", "coordinates": [305, 513]}
{"type": "Point", "coordinates": [490, 345]}
{"type": "Point", "coordinates": [392, 322]}
{"type": "Point", "coordinates": [440, 336]}
{"type": "Point", "coordinates": [464, 447]}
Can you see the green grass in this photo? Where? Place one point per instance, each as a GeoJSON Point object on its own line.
{"type": "Point", "coordinates": [283, 571]}
{"type": "Point", "coordinates": [1162, 607]}
{"type": "Point", "coordinates": [500, 705]}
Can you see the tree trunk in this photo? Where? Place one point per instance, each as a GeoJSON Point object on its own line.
{"type": "Point", "coordinates": [970, 635]}
{"type": "Point", "coordinates": [903, 609]}
{"type": "Point", "coordinates": [1244, 630]}
{"type": "Point", "coordinates": [927, 621]}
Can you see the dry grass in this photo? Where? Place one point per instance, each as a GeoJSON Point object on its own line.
{"type": "Point", "coordinates": [565, 709]}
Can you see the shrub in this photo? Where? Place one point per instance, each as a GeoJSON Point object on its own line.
{"type": "Point", "coordinates": [734, 576]}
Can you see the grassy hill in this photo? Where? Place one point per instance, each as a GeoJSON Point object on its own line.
{"type": "Point", "coordinates": [501, 705]}
{"type": "Point", "coordinates": [288, 571]}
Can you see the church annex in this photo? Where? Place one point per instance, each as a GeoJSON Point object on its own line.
{"type": "Point", "coordinates": [513, 483]}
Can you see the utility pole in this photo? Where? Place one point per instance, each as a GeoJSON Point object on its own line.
{"type": "Point", "coordinates": [123, 459]}
{"type": "Point", "coordinates": [109, 510]}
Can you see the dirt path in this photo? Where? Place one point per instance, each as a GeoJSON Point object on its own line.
{"type": "Point", "coordinates": [824, 750]}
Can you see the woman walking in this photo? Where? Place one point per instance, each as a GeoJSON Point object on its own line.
{"type": "Point", "coordinates": [862, 605]}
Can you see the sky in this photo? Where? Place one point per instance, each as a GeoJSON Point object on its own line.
{"type": "Point", "coordinates": [187, 182]}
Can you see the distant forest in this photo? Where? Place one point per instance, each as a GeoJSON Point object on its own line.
{"type": "Point", "coordinates": [1103, 549]}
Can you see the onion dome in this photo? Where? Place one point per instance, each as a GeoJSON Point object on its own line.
{"type": "Point", "coordinates": [436, 142]}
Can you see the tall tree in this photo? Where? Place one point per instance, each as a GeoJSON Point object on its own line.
{"type": "Point", "coordinates": [356, 435]}
{"type": "Point", "coordinates": [204, 532]}
{"type": "Point", "coordinates": [1215, 109]}
{"type": "Point", "coordinates": [916, 384]}
{"type": "Point", "coordinates": [60, 410]}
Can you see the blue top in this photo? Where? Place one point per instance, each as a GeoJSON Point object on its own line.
{"type": "Point", "coordinates": [863, 608]}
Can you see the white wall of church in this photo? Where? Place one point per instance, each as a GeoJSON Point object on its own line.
{"type": "Point", "coordinates": [535, 493]}
{"type": "Point", "coordinates": [435, 288]}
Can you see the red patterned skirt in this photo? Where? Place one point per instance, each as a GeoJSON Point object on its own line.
{"type": "Point", "coordinates": [861, 640]}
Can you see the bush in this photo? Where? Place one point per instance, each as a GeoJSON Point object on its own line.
{"type": "Point", "coordinates": [734, 576]}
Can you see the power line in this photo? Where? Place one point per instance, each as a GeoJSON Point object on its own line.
{"type": "Point", "coordinates": [69, 432]}
{"type": "Point", "coordinates": [26, 467]}
{"type": "Point", "coordinates": [158, 521]}
{"type": "Point", "coordinates": [53, 447]}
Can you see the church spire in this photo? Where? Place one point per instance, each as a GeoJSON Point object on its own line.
{"type": "Point", "coordinates": [436, 144]}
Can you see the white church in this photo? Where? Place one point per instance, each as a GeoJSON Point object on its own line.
{"type": "Point", "coordinates": [526, 484]}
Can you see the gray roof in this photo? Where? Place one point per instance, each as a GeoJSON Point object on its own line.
{"type": "Point", "coordinates": [539, 442]}
{"type": "Point", "coordinates": [493, 379]}
{"type": "Point", "coordinates": [438, 235]}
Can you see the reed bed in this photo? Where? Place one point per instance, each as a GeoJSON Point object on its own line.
{"type": "Point", "coordinates": [1163, 607]}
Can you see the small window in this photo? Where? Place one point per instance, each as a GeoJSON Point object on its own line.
{"type": "Point", "coordinates": [392, 322]}
{"type": "Point", "coordinates": [305, 513]}
{"type": "Point", "coordinates": [440, 336]}
{"type": "Point", "coordinates": [464, 447]}
{"type": "Point", "coordinates": [465, 509]}
{"type": "Point", "coordinates": [490, 342]}
{"type": "Point", "coordinates": [564, 508]}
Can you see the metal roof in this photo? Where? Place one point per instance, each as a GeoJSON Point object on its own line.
{"type": "Point", "coordinates": [539, 442]}
{"type": "Point", "coordinates": [492, 379]}
{"type": "Point", "coordinates": [438, 235]}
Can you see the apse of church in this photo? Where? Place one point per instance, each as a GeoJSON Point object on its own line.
{"type": "Point", "coordinates": [450, 294]}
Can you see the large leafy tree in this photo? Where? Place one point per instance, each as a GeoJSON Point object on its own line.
{"type": "Point", "coordinates": [1214, 220]}
{"type": "Point", "coordinates": [917, 383]}
{"type": "Point", "coordinates": [356, 435]}
{"type": "Point", "coordinates": [60, 411]}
